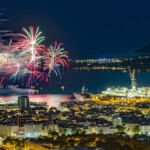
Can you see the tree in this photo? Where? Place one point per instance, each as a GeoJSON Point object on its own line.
{"type": "Point", "coordinates": [136, 129]}
{"type": "Point", "coordinates": [80, 132]}
{"type": "Point", "coordinates": [64, 131]}
{"type": "Point", "coordinates": [120, 128]}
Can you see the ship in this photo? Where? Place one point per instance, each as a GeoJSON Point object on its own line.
{"type": "Point", "coordinates": [84, 95]}
{"type": "Point", "coordinates": [133, 91]}
{"type": "Point", "coordinates": [143, 92]}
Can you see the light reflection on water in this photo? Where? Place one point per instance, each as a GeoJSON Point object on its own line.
{"type": "Point", "coordinates": [72, 81]}
{"type": "Point", "coordinates": [51, 99]}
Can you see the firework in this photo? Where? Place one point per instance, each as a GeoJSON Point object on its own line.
{"type": "Point", "coordinates": [30, 43]}
{"type": "Point", "coordinates": [26, 56]}
{"type": "Point", "coordinates": [28, 48]}
{"type": "Point", "coordinates": [55, 57]}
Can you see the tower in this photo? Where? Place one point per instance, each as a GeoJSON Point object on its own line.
{"type": "Point", "coordinates": [133, 79]}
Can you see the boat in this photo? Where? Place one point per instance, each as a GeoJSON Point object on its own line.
{"type": "Point", "coordinates": [83, 95]}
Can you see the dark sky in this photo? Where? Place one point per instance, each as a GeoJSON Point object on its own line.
{"type": "Point", "coordinates": [85, 27]}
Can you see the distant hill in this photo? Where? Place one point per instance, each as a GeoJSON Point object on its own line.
{"type": "Point", "coordinates": [145, 49]}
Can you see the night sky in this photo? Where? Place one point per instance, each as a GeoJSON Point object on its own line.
{"type": "Point", "coordinates": [86, 27]}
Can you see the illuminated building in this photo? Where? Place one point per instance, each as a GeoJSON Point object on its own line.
{"type": "Point", "coordinates": [27, 131]}
{"type": "Point", "coordinates": [23, 102]}
{"type": "Point", "coordinates": [117, 121]}
{"type": "Point", "coordinates": [145, 130]}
